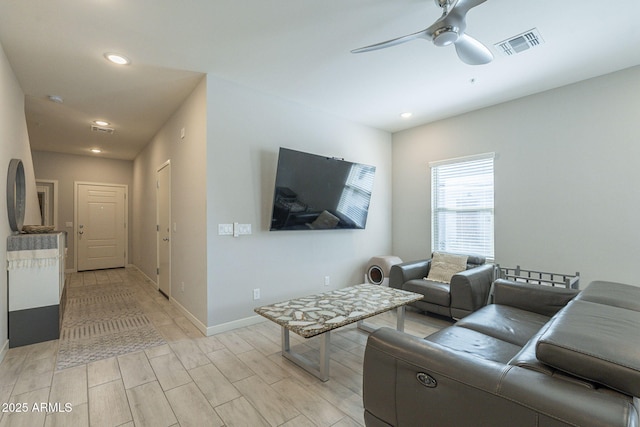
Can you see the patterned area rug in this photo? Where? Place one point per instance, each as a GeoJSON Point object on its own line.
{"type": "Point", "coordinates": [102, 321]}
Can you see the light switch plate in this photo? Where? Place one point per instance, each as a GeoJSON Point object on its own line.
{"type": "Point", "coordinates": [225, 229]}
{"type": "Point", "coordinates": [244, 229]}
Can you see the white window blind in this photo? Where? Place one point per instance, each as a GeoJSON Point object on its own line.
{"type": "Point", "coordinates": [462, 205]}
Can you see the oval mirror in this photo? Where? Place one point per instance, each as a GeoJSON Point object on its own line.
{"type": "Point", "coordinates": [16, 194]}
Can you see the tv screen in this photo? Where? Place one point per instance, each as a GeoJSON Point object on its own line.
{"type": "Point", "coordinates": [315, 192]}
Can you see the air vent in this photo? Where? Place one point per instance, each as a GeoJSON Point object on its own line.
{"type": "Point", "coordinates": [520, 43]}
{"type": "Point", "coordinates": [101, 129]}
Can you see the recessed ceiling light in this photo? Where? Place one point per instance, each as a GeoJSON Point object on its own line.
{"type": "Point", "coordinates": [55, 98]}
{"type": "Point", "coordinates": [116, 58]}
{"type": "Point", "coordinates": [406, 115]}
{"type": "Point", "coordinates": [101, 123]}
{"type": "Point", "coordinates": [96, 150]}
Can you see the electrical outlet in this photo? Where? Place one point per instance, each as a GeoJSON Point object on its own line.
{"type": "Point", "coordinates": [256, 294]}
{"type": "Point", "coordinates": [327, 280]}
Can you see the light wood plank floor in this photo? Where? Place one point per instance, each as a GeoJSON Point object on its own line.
{"type": "Point", "coordinates": [236, 378]}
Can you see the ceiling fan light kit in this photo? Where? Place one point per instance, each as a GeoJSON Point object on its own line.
{"type": "Point", "coordinates": [445, 36]}
{"type": "Point", "coordinates": [447, 30]}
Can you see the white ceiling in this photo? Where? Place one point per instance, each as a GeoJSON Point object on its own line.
{"type": "Point", "coordinates": [295, 49]}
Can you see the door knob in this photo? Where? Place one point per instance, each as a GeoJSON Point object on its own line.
{"type": "Point", "coordinates": [166, 239]}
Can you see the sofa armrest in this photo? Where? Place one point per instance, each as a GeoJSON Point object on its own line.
{"type": "Point", "coordinates": [401, 273]}
{"type": "Point", "coordinates": [461, 389]}
{"type": "Point", "coordinates": [393, 394]}
{"type": "Point", "coordinates": [541, 299]}
{"type": "Point", "coordinates": [470, 290]}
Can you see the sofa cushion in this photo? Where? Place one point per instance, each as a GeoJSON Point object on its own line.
{"type": "Point", "coordinates": [434, 292]}
{"type": "Point", "coordinates": [444, 266]}
{"type": "Point", "coordinates": [545, 300]}
{"type": "Point", "coordinates": [527, 359]}
{"type": "Point", "coordinates": [506, 323]}
{"type": "Point", "coordinates": [611, 293]}
{"type": "Point", "coordinates": [475, 343]}
{"type": "Point", "coordinates": [597, 342]}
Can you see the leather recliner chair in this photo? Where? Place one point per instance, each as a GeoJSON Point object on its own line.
{"type": "Point", "coordinates": [467, 292]}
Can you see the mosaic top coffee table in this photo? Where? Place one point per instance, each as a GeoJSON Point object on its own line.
{"type": "Point", "coordinates": [319, 314]}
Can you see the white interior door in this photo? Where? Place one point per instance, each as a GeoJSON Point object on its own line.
{"type": "Point", "coordinates": [163, 202]}
{"type": "Point", "coordinates": [101, 231]}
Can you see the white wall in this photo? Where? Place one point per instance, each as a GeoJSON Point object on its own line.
{"type": "Point", "coordinates": [187, 157]}
{"type": "Point", "coordinates": [566, 178]}
{"type": "Point", "coordinates": [244, 132]}
{"type": "Point", "coordinates": [14, 144]}
{"type": "Point", "coordinates": [69, 168]}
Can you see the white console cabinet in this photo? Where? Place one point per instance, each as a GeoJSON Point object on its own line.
{"type": "Point", "coordinates": [36, 285]}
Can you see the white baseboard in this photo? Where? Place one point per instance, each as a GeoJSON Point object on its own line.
{"type": "Point", "coordinates": [206, 330]}
{"type": "Point", "coordinates": [193, 319]}
{"type": "Point", "coordinates": [147, 278]}
{"type": "Point", "coordinates": [217, 329]}
{"type": "Point", "coordinates": [240, 323]}
{"type": "Point", "coordinates": [186, 313]}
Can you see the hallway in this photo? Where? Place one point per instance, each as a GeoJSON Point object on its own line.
{"type": "Point", "coordinates": [231, 379]}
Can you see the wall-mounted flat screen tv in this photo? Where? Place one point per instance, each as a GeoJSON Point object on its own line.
{"type": "Point", "coordinates": [315, 192]}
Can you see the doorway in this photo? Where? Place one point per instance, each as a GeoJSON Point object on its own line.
{"type": "Point", "coordinates": [163, 213]}
{"type": "Point", "coordinates": [48, 201]}
{"type": "Point", "coordinates": [101, 216]}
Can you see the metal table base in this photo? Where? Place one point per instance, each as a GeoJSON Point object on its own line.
{"type": "Point", "coordinates": [321, 370]}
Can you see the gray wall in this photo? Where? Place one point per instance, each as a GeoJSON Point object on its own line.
{"type": "Point", "coordinates": [187, 157]}
{"type": "Point", "coordinates": [14, 144]}
{"type": "Point", "coordinates": [69, 168]}
{"type": "Point", "coordinates": [245, 129]}
{"type": "Point", "coordinates": [566, 177]}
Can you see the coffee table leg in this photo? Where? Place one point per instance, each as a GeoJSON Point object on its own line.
{"type": "Point", "coordinates": [399, 322]}
{"type": "Point", "coordinates": [285, 341]}
{"type": "Point", "coordinates": [365, 326]}
{"type": "Point", "coordinates": [324, 355]}
{"type": "Point", "coordinates": [321, 371]}
{"type": "Point", "coordinates": [400, 318]}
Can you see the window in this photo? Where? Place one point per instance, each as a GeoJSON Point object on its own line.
{"type": "Point", "coordinates": [462, 205]}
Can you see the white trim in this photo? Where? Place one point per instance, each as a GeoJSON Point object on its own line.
{"type": "Point", "coordinates": [193, 319]}
{"type": "Point", "coordinates": [462, 159]}
{"type": "Point", "coordinates": [240, 323]}
{"type": "Point", "coordinates": [148, 279]}
{"type": "Point", "coordinates": [166, 164]}
{"type": "Point", "coordinates": [199, 325]}
{"type": "Point", "coordinates": [210, 330]}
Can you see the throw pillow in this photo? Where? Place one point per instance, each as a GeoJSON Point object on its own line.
{"type": "Point", "coordinates": [444, 266]}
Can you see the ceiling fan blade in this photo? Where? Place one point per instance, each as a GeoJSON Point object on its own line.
{"type": "Point", "coordinates": [471, 51]}
{"type": "Point", "coordinates": [393, 42]}
{"type": "Point", "coordinates": [463, 6]}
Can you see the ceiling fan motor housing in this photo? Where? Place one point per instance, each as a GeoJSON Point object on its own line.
{"type": "Point", "coordinates": [445, 36]}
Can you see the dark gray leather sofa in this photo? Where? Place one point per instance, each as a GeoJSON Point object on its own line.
{"type": "Point", "coordinates": [467, 291]}
{"type": "Point", "coordinates": [539, 356]}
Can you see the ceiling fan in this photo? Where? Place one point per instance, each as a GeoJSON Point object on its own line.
{"type": "Point", "coordinates": [447, 30]}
